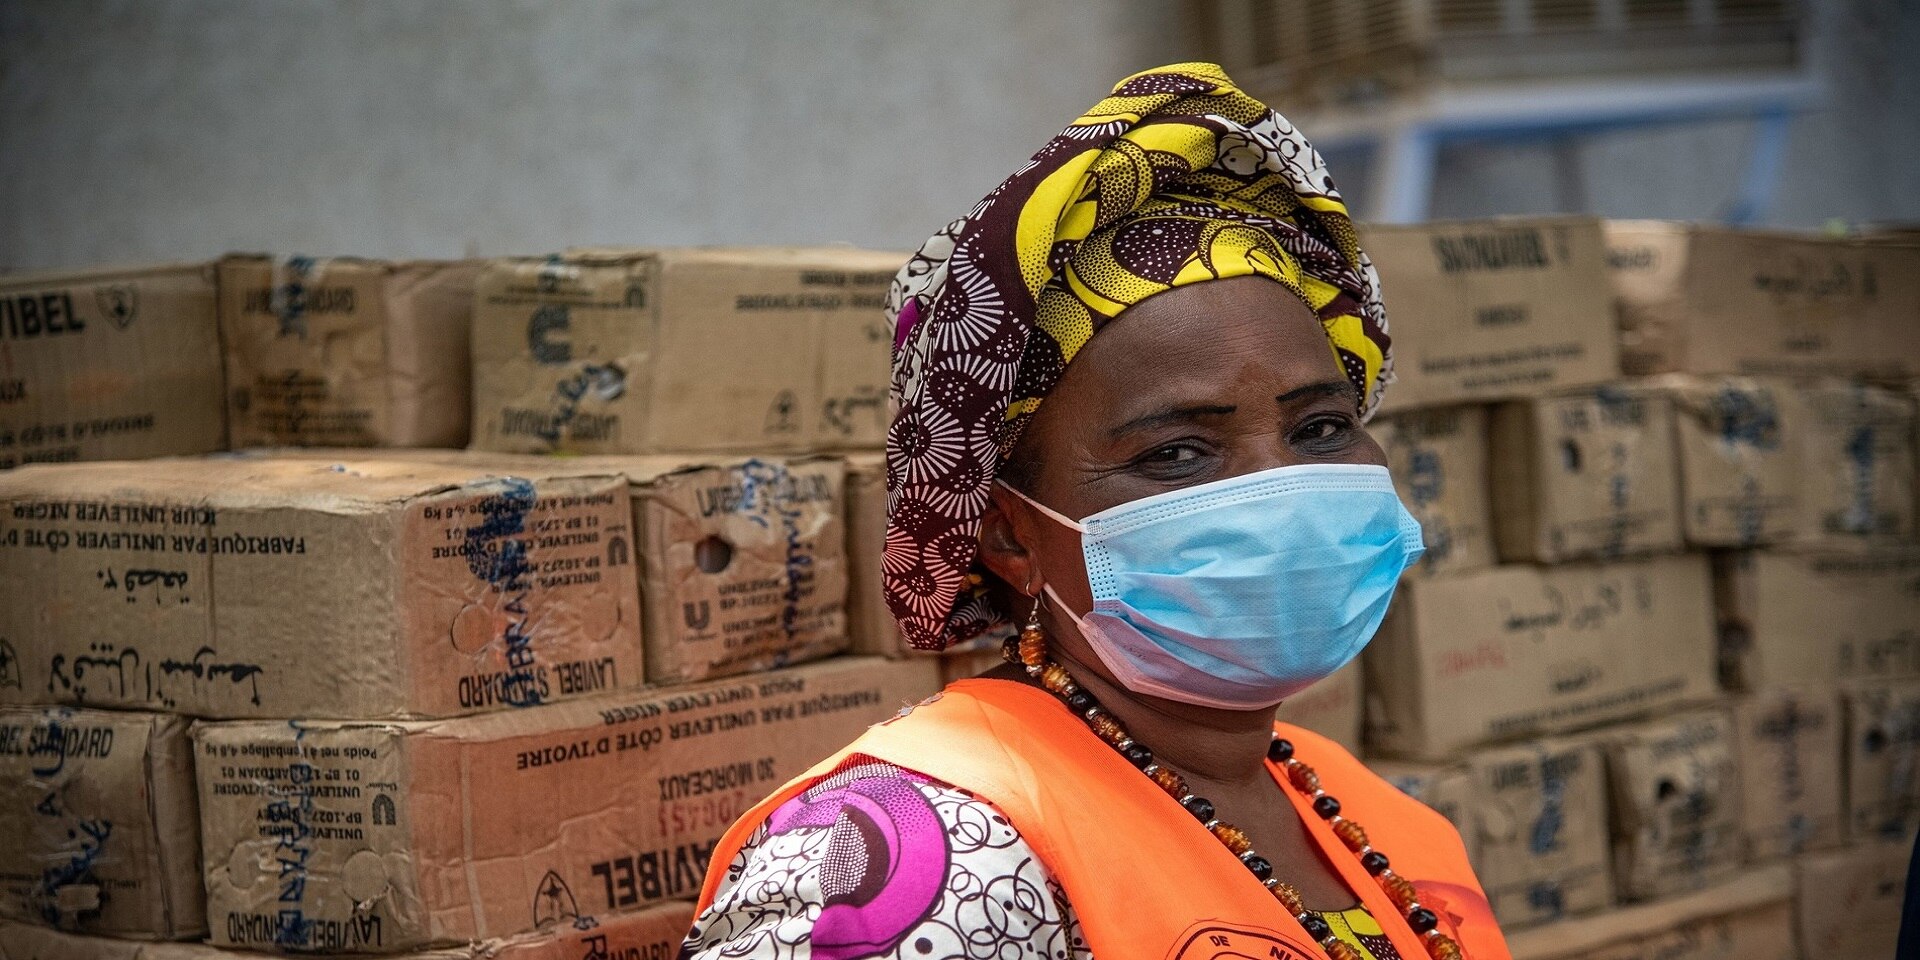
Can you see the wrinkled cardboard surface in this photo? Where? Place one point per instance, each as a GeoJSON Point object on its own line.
{"type": "Point", "coordinates": [237, 587]}
{"type": "Point", "coordinates": [1790, 748]}
{"type": "Point", "coordinates": [1502, 308]}
{"type": "Point", "coordinates": [110, 364]}
{"type": "Point", "coordinates": [652, 933]}
{"type": "Point", "coordinates": [683, 349]}
{"type": "Point", "coordinates": [1705, 299]}
{"type": "Point", "coordinates": [347, 352]}
{"type": "Point", "coordinates": [1719, 924]}
{"type": "Point", "coordinates": [1585, 475]}
{"type": "Point", "coordinates": [1540, 812]}
{"type": "Point", "coordinates": [501, 822]}
{"type": "Point", "coordinates": [1858, 453]}
{"type": "Point", "coordinates": [1814, 617]}
{"type": "Point", "coordinates": [1849, 900]}
{"type": "Point", "coordinates": [1882, 760]}
{"type": "Point", "coordinates": [1438, 459]}
{"type": "Point", "coordinates": [1676, 801]}
{"type": "Point", "coordinates": [1739, 441]}
{"type": "Point", "coordinates": [869, 622]}
{"type": "Point", "coordinates": [98, 827]}
{"type": "Point", "coordinates": [1520, 650]}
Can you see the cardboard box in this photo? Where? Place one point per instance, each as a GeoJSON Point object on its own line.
{"type": "Point", "coordinates": [1789, 746]}
{"type": "Point", "coordinates": [1849, 900]}
{"type": "Point", "coordinates": [1700, 299]}
{"type": "Point", "coordinates": [278, 588]}
{"type": "Point", "coordinates": [1586, 474]}
{"type": "Point", "coordinates": [345, 352]}
{"type": "Point", "coordinates": [653, 933]}
{"type": "Point", "coordinates": [1519, 651]}
{"type": "Point", "coordinates": [1540, 810]}
{"type": "Point", "coordinates": [1675, 786]}
{"type": "Point", "coordinates": [1749, 917]}
{"type": "Point", "coordinates": [1438, 459]}
{"type": "Point", "coordinates": [1504, 308]}
{"type": "Point", "coordinates": [409, 834]}
{"type": "Point", "coordinates": [742, 561]}
{"type": "Point", "coordinates": [869, 622]}
{"type": "Point", "coordinates": [743, 564]}
{"type": "Point", "coordinates": [109, 364]}
{"type": "Point", "coordinates": [1757, 933]}
{"type": "Point", "coordinates": [704, 349]}
{"type": "Point", "coordinates": [1445, 787]}
{"type": "Point", "coordinates": [1807, 617]}
{"type": "Point", "coordinates": [98, 829]}
{"type": "Point", "coordinates": [1883, 761]}
{"type": "Point", "coordinates": [1858, 450]}
{"type": "Point", "coordinates": [1739, 441]}
{"type": "Point", "coordinates": [1332, 708]}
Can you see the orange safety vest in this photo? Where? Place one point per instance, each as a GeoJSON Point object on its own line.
{"type": "Point", "coordinates": [1145, 878]}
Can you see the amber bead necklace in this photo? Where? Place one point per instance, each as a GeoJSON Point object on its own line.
{"type": "Point", "coordinates": [1029, 650]}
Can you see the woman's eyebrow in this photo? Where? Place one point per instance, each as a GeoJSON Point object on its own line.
{"type": "Point", "coordinates": [1325, 388]}
{"type": "Point", "coordinates": [1168, 415]}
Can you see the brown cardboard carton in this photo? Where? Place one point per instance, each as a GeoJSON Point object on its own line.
{"type": "Point", "coordinates": [1586, 474]}
{"type": "Point", "coordinates": [1504, 308]}
{"type": "Point", "coordinates": [708, 349]}
{"type": "Point", "coordinates": [1699, 299]}
{"type": "Point", "coordinates": [1445, 787]}
{"type": "Point", "coordinates": [1883, 761]}
{"type": "Point", "coordinates": [1540, 809]}
{"type": "Point", "coordinates": [109, 365]}
{"type": "Point", "coordinates": [408, 834]}
{"type": "Point", "coordinates": [346, 352]}
{"type": "Point", "coordinates": [1757, 933]}
{"type": "Point", "coordinates": [1438, 459]}
{"type": "Point", "coordinates": [98, 830]}
{"type": "Point", "coordinates": [1739, 441]}
{"type": "Point", "coordinates": [1749, 917]}
{"type": "Point", "coordinates": [1331, 708]}
{"type": "Point", "coordinates": [277, 588]}
{"type": "Point", "coordinates": [870, 623]}
{"type": "Point", "coordinates": [1520, 650]}
{"type": "Point", "coordinates": [1789, 746]}
{"type": "Point", "coordinates": [1849, 900]}
{"type": "Point", "coordinates": [652, 933]}
{"type": "Point", "coordinates": [1675, 789]}
{"type": "Point", "coordinates": [743, 565]}
{"type": "Point", "coordinates": [1858, 452]}
{"type": "Point", "coordinates": [1817, 617]}
{"type": "Point", "coordinates": [742, 561]}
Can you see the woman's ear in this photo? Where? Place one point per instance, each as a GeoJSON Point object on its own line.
{"type": "Point", "coordinates": [1006, 544]}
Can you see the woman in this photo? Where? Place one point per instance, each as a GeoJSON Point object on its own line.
{"type": "Point", "coordinates": [1121, 427]}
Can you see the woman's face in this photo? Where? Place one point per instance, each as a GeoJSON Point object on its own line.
{"type": "Point", "coordinates": [1201, 383]}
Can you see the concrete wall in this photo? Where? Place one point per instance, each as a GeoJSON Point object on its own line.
{"type": "Point", "coordinates": [171, 129]}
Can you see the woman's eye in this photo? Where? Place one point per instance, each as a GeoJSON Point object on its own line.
{"type": "Point", "coordinates": [1172, 453]}
{"type": "Point", "coordinates": [1324, 431]}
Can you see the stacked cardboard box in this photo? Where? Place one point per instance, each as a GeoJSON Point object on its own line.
{"type": "Point", "coordinates": [1661, 666]}
{"type": "Point", "coordinates": [430, 678]}
{"type": "Point", "coordinates": [1704, 573]}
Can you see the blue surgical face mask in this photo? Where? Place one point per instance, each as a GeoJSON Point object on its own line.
{"type": "Point", "coordinates": [1242, 592]}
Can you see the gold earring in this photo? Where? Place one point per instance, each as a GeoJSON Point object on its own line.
{"type": "Point", "coordinates": [1033, 638]}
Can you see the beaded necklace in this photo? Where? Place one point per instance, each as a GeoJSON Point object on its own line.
{"type": "Point", "coordinates": [1029, 650]}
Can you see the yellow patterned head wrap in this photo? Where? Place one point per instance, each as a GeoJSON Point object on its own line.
{"type": "Point", "coordinates": [1177, 177]}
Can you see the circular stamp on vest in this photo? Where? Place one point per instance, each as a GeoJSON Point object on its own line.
{"type": "Point", "coordinates": [1211, 940]}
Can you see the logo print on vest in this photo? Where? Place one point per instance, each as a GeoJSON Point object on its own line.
{"type": "Point", "coordinates": [1216, 941]}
